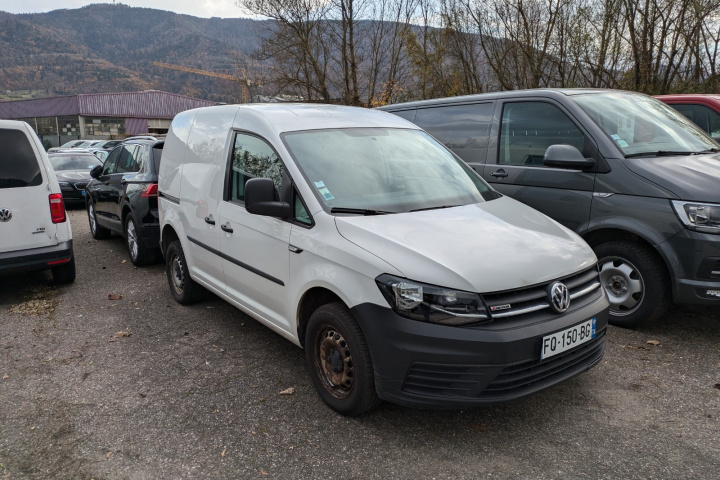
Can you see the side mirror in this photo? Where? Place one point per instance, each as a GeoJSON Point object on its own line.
{"type": "Point", "coordinates": [261, 198]}
{"type": "Point", "coordinates": [566, 156]}
{"type": "Point", "coordinates": [96, 170]}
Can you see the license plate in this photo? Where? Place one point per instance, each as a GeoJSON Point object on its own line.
{"type": "Point", "coordinates": [567, 339]}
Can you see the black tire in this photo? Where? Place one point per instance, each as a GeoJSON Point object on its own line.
{"type": "Point", "coordinates": [338, 360]}
{"type": "Point", "coordinates": [182, 287]}
{"type": "Point", "coordinates": [97, 232]}
{"type": "Point", "coordinates": [139, 254]}
{"type": "Point", "coordinates": [636, 282]}
{"type": "Point", "coordinates": [64, 273]}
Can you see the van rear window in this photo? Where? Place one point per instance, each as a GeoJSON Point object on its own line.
{"type": "Point", "coordinates": [18, 165]}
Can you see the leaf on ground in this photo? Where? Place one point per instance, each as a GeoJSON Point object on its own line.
{"type": "Point", "coordinates": [223, 452]}
{"type": "Point", "coordinates": [108, 455]}
{"type": "Point", "coordinates": [8, 376]}
{"type": "Point", "coordinates": [112, 296]}
{"type": "Point", "coordinates": [263, 472]}
{"type": "Point", "coordinates": [122, 334]}
{"type": "Point", "coordinates": [653, 342]}
{"type": "Point", "coordinates": [288, 391]}
{"type": "Point", "coordinates": [124, 261]}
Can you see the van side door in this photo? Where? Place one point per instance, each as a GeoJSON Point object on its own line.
{"type": "Point", "coordinates": [515, 165]}
{"type": "Point", "coordinates": [254, 248]}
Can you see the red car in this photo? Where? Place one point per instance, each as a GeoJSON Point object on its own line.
{"type": "Point", "coordinates": [704, 110]}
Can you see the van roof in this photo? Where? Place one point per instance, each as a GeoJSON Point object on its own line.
{"type": "Point", "coordinates": [287, 117]}
{"type": "Point", "coordinates": [551, 92]}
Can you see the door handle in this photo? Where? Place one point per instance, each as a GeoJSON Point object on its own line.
{"type": "Point", "coordinates": [499, 173]}
{"type": "Point", "coordinates": [227, 228]}
{"type": "Point", "coordinates": [209, 220]}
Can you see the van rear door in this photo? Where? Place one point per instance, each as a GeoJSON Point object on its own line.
{"type": "Point", "coordinates": [25, 220]}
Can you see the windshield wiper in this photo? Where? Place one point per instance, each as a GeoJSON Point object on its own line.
{"type": "Point", "coordinates": [659, 153]}
{"type": "Point", "coordinates": [709, 150]}
{"type": "Point", "coordinates": [360, 211]}
{"type": "Point", "coordinates": [434, 208]}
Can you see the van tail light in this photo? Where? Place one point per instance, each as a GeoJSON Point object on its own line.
{"type": "Point", "coordinates": [57, 208]}
{"type": "Point", "coordinates": [150, 190]}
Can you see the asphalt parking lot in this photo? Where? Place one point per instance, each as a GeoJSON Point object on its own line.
{"type": "Point", "coordinates": [109, 378]}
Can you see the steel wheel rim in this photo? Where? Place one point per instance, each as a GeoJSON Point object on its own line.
{"type": "Point", "coordinates": [334, 362]}
{"type": "Point", "coordinates": [624, 285]}
{"type": "Point", "coordinates": [176, 273]}
{"type": "Point", "coordinates": [132, 239]}
{"type": "Point", "coordinates": [93, 224]}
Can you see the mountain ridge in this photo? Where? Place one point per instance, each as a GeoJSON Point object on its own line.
{"type": "Point", "coordinates": [106, 48]}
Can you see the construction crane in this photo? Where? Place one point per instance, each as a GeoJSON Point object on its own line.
{"type": "Point", "coordinates": [244, 82]}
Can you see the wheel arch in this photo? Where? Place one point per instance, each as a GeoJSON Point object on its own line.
{"type": "Point", "coordinates": [310, 301]}
{"type": "Point", "coordinates": [167, 236]}
{"type": "Point", "coordinates": [608, 234]}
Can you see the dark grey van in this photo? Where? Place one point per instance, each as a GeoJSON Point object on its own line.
{"type": "Point", "coordinates": [638, 181]}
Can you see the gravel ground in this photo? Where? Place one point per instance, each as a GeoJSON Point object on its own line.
{"type": "Point", "coordinates": [140, 387]}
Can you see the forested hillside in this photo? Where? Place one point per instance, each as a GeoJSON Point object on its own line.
{"type": "Point", "coordinates": [101, 48]}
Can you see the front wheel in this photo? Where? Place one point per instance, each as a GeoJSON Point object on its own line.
{"type": "Point", "coordinates": [338, 360]}
{"type": "Point", "coordinates": [635, 280]}
{"type": "Point", "coordinates": [139, 253]}
{"type": "Point", "coordinates": [97, 232]}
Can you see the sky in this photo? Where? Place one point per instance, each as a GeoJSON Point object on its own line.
{"type": "Point", "coordinates": [196, 8]}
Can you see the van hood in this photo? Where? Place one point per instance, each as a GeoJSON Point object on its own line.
{"type": "Point", "coordinates": [486, 247]}
{"type": "Point", "coordinates": [693, 177]}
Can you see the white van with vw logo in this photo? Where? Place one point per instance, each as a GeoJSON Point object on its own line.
{"type": "Point", "coordinates": [357, 236]}
{"type": "Point", "coordinates": [35, 233]}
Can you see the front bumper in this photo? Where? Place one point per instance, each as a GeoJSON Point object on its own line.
{"type": "Point", "coordinates": [36, 258]}
{"type": "Point", "coordinates": [694, 257]}
{"type": "Point", "coordinates": [425, 365]}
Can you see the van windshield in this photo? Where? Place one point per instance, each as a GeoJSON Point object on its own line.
{"type": "Point", "coordinates": [643, 126]}
{"type": "Point", "coordinates": [383, 170]}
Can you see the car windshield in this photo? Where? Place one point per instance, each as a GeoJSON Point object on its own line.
{"type": "Point", "coordinates": [383, 170]}
{"type": "Point", "coordinates": [79, 162]}
{"type": "Point", "coordinates": [643, 126]}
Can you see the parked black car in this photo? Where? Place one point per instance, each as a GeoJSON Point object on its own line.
{"type": "Point", "coordinates": [72, 170]}
{"type": "Point", "coordinates": [123, 198]}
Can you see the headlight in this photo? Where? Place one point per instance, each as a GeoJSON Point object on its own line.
{"type": "Point", "coordinates": [703, 217]}
{"type": "Point", "coordinates": [433, 304]}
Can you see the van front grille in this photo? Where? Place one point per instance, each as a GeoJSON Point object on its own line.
{"type": "Point", "coordinates": [584, 287]}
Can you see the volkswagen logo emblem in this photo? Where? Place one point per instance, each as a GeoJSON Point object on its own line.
{"type": "Point", "coordinates": [559, 297]}
{"type": "Point", "coordinates": [5, 215]}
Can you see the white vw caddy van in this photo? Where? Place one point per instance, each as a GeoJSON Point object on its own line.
{"type": "Point", "coordinates": [357, 236]}
{"type": "Point", "coordinates": [35, 233]}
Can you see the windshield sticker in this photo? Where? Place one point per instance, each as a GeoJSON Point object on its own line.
{"type": "Point", "coordinates": [319, 184]}
{"type": "Point", "coordinates": [326, 193]}
{"type": "Point", "coordinates": [615, 136]}
{"type": "Point", "coordinates": [622, 143]}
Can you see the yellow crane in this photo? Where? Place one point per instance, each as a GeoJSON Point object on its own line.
{"type": "Point", "coordinates": [243, 81]}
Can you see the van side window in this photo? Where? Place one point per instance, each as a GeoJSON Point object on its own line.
{"type": "Point", "coordinates": [702, 116]}
{"type": "Point", "coordinates": [301, 215]}
{"type": "Point", "coordinates": [252, 157]}
{"type": "Point", "coordinates": [408, 115]}
{"type": "Point", "coordinates": [529, 128]}
{"type": "Point", "coordinates": [19, 166]}
{"type": "Point", "coordinates": [462, 128]}
{"type": "Point", "coordinates": [109, 166]}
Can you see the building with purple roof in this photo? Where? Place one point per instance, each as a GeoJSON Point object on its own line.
{"type": "Point", "coordinates": [100, 116]}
